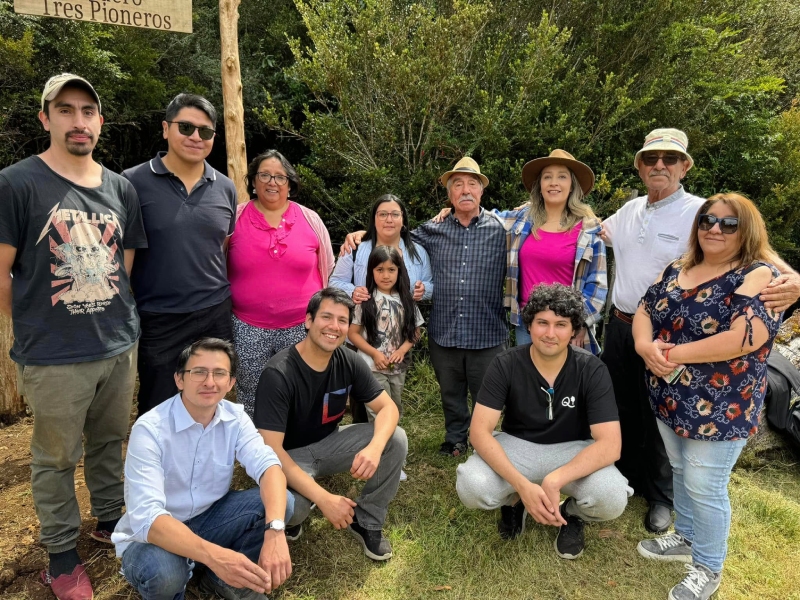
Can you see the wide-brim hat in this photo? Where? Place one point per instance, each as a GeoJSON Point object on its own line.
{"type": "Point", "coordinates": [668, 140]}
{"type": "Point", "coordinates": [56, 83]}
{"type": "Point", "coordinates": [582, 172]}
{"type": "Point", "coordinates": [465, 165]}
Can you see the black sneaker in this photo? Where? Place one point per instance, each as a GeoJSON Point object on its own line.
{"type": "Point", "coordinates": [570, 540]}
{"type": "Point", "coordinates": [375, 545]}
{"type": "Point", "coordinates": [455, 450]}
{"type": "Point", "coordinates": [293, 533]}
{"type": "Point", "coordinates": [512, 521]}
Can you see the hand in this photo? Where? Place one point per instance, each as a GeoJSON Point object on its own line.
{"type": "Point", "coordinates": [782, 292]}
{"type": "Point", "coordinates": [275, 559]}
{"type": "Point", "coordinates": [553, 491]}
{"type": "Point", "coordinates": [419, 291]}
{"type": "Point", "coordinates": [603, 233]}
{"type": "Point", "coordinates": [653, 356]}
{"type": "Point", "coordinates": [442, 215]}
{"type": "Point", "coordinates": [238, 571]}
{"type": "Point", "coordinates": [366, 463]}
{"type": "Point", "coordinates": [350, 242]}
{"type": "Point", "coordinates": [540, 506]}
{"type": "Point", "coordinates": [397, 356]}
{"type": "Point", "coordinates": [578, 340]}
{"type": "Point", "coordinates": [338, 510]}
{"type": "Point", "coordinates": [380, 360]}
{"type": "Point", "coordinates": [360, 294]}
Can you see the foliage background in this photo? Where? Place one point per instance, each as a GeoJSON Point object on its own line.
{"type": "Point", "coordinates": [370, 96]}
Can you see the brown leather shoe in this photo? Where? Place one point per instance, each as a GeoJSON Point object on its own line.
{"type": "Point", "coordinates": [75, 586]}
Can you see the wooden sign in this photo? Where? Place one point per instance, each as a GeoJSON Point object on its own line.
{"type": "Point", "coordinates": [166, 15]}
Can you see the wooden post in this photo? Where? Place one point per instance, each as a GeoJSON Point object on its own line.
{"type": "Point", "coordinates": [11, 404]}
{"type": "Point", "coordinates": [233, 108]}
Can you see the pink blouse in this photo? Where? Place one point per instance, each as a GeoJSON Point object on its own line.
{"type": "Point", "coordinates": [273, 271]}
{"type": "Point", "coordinates": [550, 259]}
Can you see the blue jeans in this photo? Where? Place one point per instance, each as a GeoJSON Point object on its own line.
{"type": "Point", "coordinates": [235, 521]}
{"type": "Point", "coordinates": [523, 335]}
{"type": "Point", "coordinates": [700, 474]}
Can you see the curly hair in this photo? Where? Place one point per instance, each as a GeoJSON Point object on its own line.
{"type": "Point", "coordinates": [561, 299]}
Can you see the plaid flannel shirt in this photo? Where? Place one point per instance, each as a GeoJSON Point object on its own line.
{"type": "Point", "coordinates": [589, 272]}
{"type": "Point", "coordinates": [468, 265]}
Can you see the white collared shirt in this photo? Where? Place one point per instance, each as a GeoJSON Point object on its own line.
{"type": "Point", "coordinates": [175, 466]}
{"type": "Point", "coordinates": [646, 238]}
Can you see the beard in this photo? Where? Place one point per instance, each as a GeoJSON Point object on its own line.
{"type": "Point", "coordinates": [79, 148]}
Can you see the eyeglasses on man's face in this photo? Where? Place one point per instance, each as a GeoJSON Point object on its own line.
{"type": "Point", "coordinates": [200, 374]}
{"type": "Point", "coordinates": [265, 177]}
{"type": "Point", "coordinates": [188, 129]}
{"type": "Point", "coordinates": [668, 158]}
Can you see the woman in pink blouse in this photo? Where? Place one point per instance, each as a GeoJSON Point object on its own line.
{"type": "Point", "coordinates": [279, 255]}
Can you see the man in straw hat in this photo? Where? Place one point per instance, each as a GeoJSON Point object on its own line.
{"type": "Point", "coordinates": [468, 325]}
{"type": "Point", "coordinates": [68, 232]}
{"type": "Point", "coordinates": [647, 234]}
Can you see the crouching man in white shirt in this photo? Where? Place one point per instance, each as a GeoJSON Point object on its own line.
{"type": "Point", "coordinates": [177, 489]}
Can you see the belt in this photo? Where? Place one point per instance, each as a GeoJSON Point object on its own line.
{"type": "Point", "coordinates": [624, 317]}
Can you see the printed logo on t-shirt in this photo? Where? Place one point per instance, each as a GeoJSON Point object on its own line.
{"type": "Point", "coordinates": [568, 401]}
{"type": "Point", "coordinates": [85, 258]}
{"type": "Point", "coordinates": [334, 401]}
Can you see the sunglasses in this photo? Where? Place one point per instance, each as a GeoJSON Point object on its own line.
{"type": "Point", "coordinates": [651, 158]}
{"type": "Point", "coordinates": [726, 224]}
{"type": "Point", "coordinates": [188, 129]}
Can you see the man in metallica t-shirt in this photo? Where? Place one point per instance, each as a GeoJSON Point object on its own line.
{"type": "Point", "coordinates": [300, 400]}
{"type": "Point", "coordinates": [560, 431]}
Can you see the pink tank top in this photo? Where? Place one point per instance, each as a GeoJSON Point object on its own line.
{"type": "Point", "coordinates": [550, 259]}
{"type": "Point", "coordinates": [273, 270]}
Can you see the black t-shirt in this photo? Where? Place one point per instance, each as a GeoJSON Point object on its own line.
{"type": "Point", "coordinates": [71, 298]}
{"type": "Point", "coordinates": [582, 396]}
{"type": "Point", "coordinates": [305, 404]}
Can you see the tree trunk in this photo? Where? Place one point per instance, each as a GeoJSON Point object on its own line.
{"type": "Point", "coordinates": [11, 405]}
{"type": "Point", "coordinates": [233, 108]}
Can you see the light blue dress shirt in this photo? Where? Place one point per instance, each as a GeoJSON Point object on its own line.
{"type": "Point", "coordinates": [176, 467]}
{"type": "Point", "coordinates": [349, 274]}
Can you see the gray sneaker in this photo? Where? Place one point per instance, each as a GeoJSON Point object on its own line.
{"type": "Point", "coordinates": [699, 584]}
{"type": "Point", "coordinates": [209, 585]}
{"type": "Point", "coordinates": [671, 547]}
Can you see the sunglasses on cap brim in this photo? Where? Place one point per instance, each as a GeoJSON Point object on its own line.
{"type": "Point", "coordinates": [726, 224]}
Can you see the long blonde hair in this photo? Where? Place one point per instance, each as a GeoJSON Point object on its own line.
{"type": "Point", "coordinates": [754, 240]}
{"type": "Point", "coordinates": [575, 209]}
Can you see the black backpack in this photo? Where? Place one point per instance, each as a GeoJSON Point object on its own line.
{"type": "Point", "coordinates": [782, 379]}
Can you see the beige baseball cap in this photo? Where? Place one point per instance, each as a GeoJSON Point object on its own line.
{"type": "Point", "coordinates": [56, 83]}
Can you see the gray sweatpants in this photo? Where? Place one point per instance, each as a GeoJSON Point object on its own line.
{"type": "Point", "coordinates": [601, 496]}
{"type": "Point", "coordinates": [335, 454]}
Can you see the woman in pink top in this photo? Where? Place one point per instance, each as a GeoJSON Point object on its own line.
{"type": "Point", "coordinates": [279, 255]}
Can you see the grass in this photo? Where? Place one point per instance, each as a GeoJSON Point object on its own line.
{"type": "Point", "coordinates": [443, 551]}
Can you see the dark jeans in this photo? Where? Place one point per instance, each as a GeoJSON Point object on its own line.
{"type": "Point", "coordinates": [164, 336]}
{"type": "Point", "coordinates": [644, 461]}
{"type": "Point", "coordinates": [235, 522]}
{"type": "Point", "coordinates": [458, 371]}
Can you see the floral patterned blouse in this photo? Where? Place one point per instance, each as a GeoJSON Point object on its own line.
{"type": "Point", "coordinates": [717, 401]}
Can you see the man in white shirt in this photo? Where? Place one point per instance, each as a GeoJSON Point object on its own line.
{"type": "Point", "coordinates": [646, 235]}
{"type": "Point", "coordinates": [177, 489]}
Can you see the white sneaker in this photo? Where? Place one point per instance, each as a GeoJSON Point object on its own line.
{"type": "Point", "coordinates": [403, 476]}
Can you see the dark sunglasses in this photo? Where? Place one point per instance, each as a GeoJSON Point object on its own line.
{"type": "Point", "coordinates": [726, 224]}
{"type": "Point", "coordinates": [187, 129]}
{"type": "Point", "coordinates": [651, 158]}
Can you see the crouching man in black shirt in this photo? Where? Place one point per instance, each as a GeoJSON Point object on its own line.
{"type": "Point", "coordinates": [299, 403]}
{"type": "Point", "coordinates": [560, 431]}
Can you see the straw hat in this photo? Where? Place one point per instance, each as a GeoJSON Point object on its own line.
{"type": "Point", "coordinates": [668, 140]}
{"type": "Point", "coordinates": [465, 165]}
{"type": "Point", "coordinates": [532, 169]}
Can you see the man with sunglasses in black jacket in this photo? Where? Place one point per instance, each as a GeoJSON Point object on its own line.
{"type": "Point", "coordinates": [181, 281]}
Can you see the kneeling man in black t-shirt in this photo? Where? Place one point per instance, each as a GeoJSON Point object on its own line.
{"type": "Point", "coordinates": [560, 431]}
{"type": "Point", "coordinates": [300, 401]}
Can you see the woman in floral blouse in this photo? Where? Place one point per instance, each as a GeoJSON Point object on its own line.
{"type": "Point", "coordinates": [705, 337]}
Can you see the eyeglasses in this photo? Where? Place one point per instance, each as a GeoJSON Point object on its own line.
{"type": "Point", "coordinates": [265, 177]}
{"type": "Point", "coordinates": [187, 129]}
{"type": "Point", "coordinates": [726, 224]}
{"type": "Point", "coordinates": [383, 215]}
{"type": "Point", "coordinates": [199, 374]}
{"type": "Point", "coordinates": [651, 158]}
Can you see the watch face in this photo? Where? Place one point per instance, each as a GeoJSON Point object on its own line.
{"type": "Point", "coordinates": [277, 525]}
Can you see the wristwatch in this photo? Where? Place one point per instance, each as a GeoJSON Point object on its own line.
{"type": "Point", "coordinates": [276, 525]}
